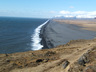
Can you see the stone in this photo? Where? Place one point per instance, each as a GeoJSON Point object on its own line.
{"type": "Point", "coordinates": [39, 60]}
{"type": "Point", "coordinates": [65, 64]}
{"type": "Point", "coordinates": [83, 60]}
{"type": "Point", "coordinates": [8, 60]}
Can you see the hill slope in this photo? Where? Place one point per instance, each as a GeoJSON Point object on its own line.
{"type": "Point", "coordinates": [75, 56]}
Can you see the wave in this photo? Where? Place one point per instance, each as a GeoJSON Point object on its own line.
{"type": "Point", "coordinates": [36, 38]}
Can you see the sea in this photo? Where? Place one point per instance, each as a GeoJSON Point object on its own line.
{"type": "Point", "coordinates": [20, 34]}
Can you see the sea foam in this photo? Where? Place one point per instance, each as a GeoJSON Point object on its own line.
{"type": "Point", "coordinates": [36, 38]}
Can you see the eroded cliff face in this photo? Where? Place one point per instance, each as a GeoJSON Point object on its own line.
{"type": "Point", "coordinates": [75, 56]}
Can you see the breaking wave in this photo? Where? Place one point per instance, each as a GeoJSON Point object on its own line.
{"type": "Point", "coordinates": [36, 38]}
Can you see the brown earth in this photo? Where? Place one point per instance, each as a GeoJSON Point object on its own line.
{"type": "Point", "coordinates": [75, 56]}
{"type": "Point", "coordinates": [85, 24]}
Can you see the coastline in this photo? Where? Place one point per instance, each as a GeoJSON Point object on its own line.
{"type": "Point", "coordinates": [56, 33]}
{"type": "Point", "coordinates": [36, 37]}
{"type": "Point", "coordinates": [72, 56]}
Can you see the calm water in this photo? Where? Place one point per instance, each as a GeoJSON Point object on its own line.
{"type": "Point", "coordinates": [16, 33]}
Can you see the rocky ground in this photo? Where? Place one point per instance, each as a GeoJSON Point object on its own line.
{"type": "Point", "coordinates": [75, 56]}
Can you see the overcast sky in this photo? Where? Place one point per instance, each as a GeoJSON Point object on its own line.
{"type": "Point", "coordinates": [47, 8]}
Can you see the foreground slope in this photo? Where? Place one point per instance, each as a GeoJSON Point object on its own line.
{"type": "Point", "coordinates": [75, 56]}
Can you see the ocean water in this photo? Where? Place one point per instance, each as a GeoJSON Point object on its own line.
{"type": "Point", "coordinates": [20, 34]}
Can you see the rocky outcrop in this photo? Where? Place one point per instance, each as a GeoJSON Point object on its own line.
{"type": "Point", "coordinates": [65, 64]}
{"type": "Point", "coordinates": [86, 63]}
{"type": "Point", "coordinates": [83, 59]}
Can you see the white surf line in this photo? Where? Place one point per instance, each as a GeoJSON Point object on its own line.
{"type": "Point", "coordinates": [36, 39]}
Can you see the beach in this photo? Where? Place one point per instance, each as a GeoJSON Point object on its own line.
{"type": "Point", "coordinates": [59, 32]}
{"type": "Point", "coordinates": [87, 24]}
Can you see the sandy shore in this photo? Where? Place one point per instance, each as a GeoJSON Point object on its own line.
{"type": "Point", "coordinates": [85, 24]}
{"type": "Point", "coordinates": [59, 32]}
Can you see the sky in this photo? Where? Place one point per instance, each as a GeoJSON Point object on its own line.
{"type": "Point", "coordinates": [47, 8]}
